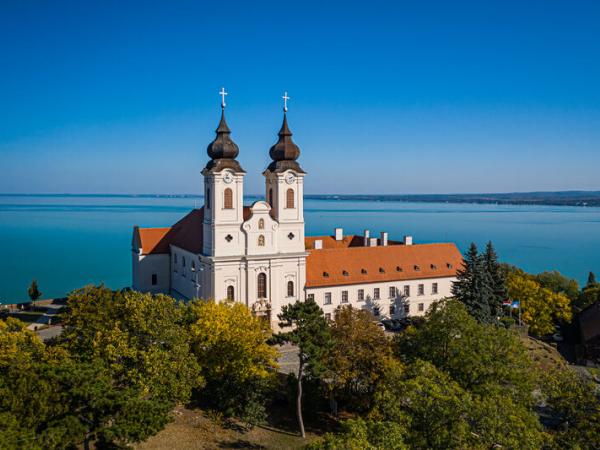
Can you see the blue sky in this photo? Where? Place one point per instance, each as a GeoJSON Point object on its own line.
{"type": "Point", "coordinates": [387, 97]}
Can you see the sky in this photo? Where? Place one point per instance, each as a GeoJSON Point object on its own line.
{"type": "Point", "coordinates": [398, 97]}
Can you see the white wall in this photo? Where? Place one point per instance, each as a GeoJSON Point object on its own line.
{"type": "Point", "coordinates": [384, 302]}
{"type": "Point", "coordinates": [220, 222]}
{"type": "Point", "coordinates": [144, 266]}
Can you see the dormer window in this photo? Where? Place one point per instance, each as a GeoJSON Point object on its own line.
{"type": "Point", "coordinates": [363, 271]}
{"type": "Point", "coordinates": [398, 269]}
{"type": "Point", "coordinates": [381, 270]}
{"type": "Point", "coordinates": [345, 273]}
{"type": "Point", "coordinates": [417, 268]}
{"type": "Point", "coordinates": [433, 267]}
{"type": "Point", "coordinates": [449, 266]}
{"type": "Point", "coordinates": [326, 274]}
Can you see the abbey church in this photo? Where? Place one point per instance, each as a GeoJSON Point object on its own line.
{"type": "Point", "coordinates": [259, 255]}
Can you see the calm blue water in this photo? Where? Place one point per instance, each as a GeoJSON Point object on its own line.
{"type": "Point", "coordinates": [67, 242]}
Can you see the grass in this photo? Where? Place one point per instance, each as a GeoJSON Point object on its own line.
{"type": "Point", "coordinates": [195, 429]}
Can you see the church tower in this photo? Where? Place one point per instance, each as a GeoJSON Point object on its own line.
{"type": "Point", "coordinates": [284, 179]}
{"type": "Point", "coordinates": [223, 194]}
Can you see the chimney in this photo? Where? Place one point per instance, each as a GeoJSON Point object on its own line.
{"type": "Point", "coordinates": [366, 241]}
{"type": "Point", "coordinates": [372, 242]}
{"type": "Point", "coordinates": [339, 234]}
{"type": "Point", "coordinates": [407, 240]}
{"type": "Point", "coordinates": [318, 244]}
{"type": "Point", "coordinates": [384, 238]}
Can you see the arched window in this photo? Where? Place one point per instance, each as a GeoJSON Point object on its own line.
{"type": "Point", "coordinates": [271, 197]}
{"type": "Point", "coordinates": [261, 241]}
{"type": "Point", "coordinates": [289, 198]}
{"type": "Point", "coordinates": [290, 289]}
{"type": "Point", "coordinates": [207, 199]}
{"type": "Point", "coordinates": [230, 293]}
{"type": "Point", "coordinates": [228, 198]}
{"type": "Point", "coordinates": [262, 285]}
{"type": "Point", "coordinates": [261, 224]}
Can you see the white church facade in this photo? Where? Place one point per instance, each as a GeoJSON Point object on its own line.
{"type": "Point", "coordinates": [259, 255]}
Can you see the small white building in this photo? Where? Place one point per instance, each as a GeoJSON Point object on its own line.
{"type": "Point", "coordinates": [258, 255]}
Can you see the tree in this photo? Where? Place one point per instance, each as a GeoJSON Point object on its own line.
{"type": "Point", "coordinates": [357, 357]}
{"type": "Point", "coordinates": [497, 278]}
{"type": "Point", "coordinates": [230, 345]}
{"type": "Point", "coordinates": [49, 400]}
{"type": "Point", "coordinates": [558, 283]}
{"type": "Point", "coordinates": [588, 295]}
{"type": "Point", "coordinates": [437, 412]}
{"type": "Point", "coordinates": [359, 434]}
{"type": "Point", "coordinates": [541, 309]}
{"type": "Point", "coordinates": [591, 281]}
{"type": "Point", "coordinates": [573, 407]}
{"type": "Point", "coordinates": [473, 287]}
{"type": "Point", "coordinates": [311, 334]}
{"type": "Point", "coordinates": [142, 339]}
{"type": "Point", "coordinates": [33, 292]}
{"type": "Point", "coordinates": [481, 358]}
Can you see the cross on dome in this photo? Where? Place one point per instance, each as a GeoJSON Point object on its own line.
{"type": "Point", "coordinates": [222, 93]}
{"type": "Point", "coordinates": [285, 99]}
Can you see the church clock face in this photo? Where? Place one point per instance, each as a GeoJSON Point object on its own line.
{"type": "Point", "coordinates": [290, 178]}
{"type": "Point", "coordinates": [228, 177]}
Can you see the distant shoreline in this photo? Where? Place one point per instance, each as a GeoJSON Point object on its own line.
{"type": "Point", "coordinates": [558, 198]}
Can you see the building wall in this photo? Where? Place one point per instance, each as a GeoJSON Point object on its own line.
{"type": "Point", "coordinates": [144, 266]}
{"type": "Point", "coordinates": [187, 273]}
{"type": "Point", "coordinates": [399, 301]}
{"type": "Point", "coordinates": [219, 223]}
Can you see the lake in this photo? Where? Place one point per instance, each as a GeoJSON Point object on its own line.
{"type": "Point", "coordinates": [66, 242]}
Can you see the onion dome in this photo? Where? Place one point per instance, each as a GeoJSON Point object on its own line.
{"type": "Point", "coordinates": [223, 151]}
{"type": "Point", "coordinates": [285, 152]}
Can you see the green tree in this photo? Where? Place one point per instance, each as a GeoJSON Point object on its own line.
{"type": "Point", "coordinates": [34, 292]}
{"type": "Point", "coordinates": [438, 413]}
{"type": "Point", "coordinates": [473, 286]}
{"type": "Point", "coordinates": [357, 357]}
{"type": "Point", "coordinates": [591, 281]}
{"type": "Point", "coordinates": [588, 295]}
{"type": "Point", "coordinates": [497, 278]}
{"type": "Point", "coordinates": [573, 405]}
{"type": "Point", "coordinates": [480, 358]}
{"type": "Point", "coordinates": [48, 400]}
{"type": "Point", "coordinates": [142, 339]}
{"type": "Point", "coordinates": [359, 434]}
{"type": "Point", "coordinates": [558, 284]}
{"type": "Point", "coordinates": [230, 345]}
{"type": "Point", "coordinates": [311, 334]}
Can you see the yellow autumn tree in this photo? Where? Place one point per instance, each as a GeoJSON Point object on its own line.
{"type": "Point", "coordinates": [236, 360]}
{"type": "Point", "coordinates": [541, 308]}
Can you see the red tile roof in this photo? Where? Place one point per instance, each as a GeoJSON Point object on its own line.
{"type": "Point", "coordinates": [186, 234]}
{"type": "Point", "coordinates": [353, 265]}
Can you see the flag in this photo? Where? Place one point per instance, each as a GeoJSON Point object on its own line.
{"type": "Point", "coordinates": [515, 304]}
{"type": "Point", "coordinates": [506, 302]}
